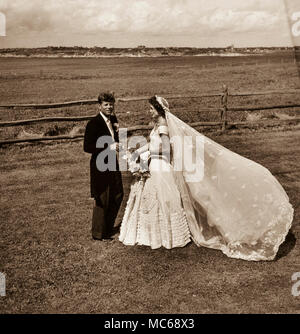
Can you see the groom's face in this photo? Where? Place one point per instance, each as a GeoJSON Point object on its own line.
{"type": "Point", "coordinates": [107, 108]}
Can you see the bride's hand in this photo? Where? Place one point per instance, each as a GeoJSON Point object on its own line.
{"type": "Point", "coordinates": [115, 146]}
{"type": "Point", "coordinates": [134, 155]}
{"type": "Point", "coordinates": [132, 149]}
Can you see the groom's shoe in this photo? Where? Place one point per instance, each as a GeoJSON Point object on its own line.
{"type": "Point", "coordinates": [107, 237]}
{"type": "Point", "coordinates": [96, 238]}
{"type": "Point", "coordinates": [103, 238]}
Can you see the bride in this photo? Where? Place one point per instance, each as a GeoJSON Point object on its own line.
{"type": "Point", "coordinates": [229, 203]}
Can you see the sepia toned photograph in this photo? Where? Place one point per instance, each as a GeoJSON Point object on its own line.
{"type": "Point", "coordinates": [149, 157]}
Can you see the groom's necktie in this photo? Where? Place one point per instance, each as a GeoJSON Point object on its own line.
{"type": "Point", "coordinates": [110, 127]}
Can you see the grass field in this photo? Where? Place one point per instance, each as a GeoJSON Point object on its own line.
{"type": "Point", "coordinates": [51, 263]}
{"type": "Point", "coordinates": [56, 80]}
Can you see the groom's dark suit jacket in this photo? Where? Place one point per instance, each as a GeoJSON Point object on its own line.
{"type": "Point", "coordinates": [100, 180]}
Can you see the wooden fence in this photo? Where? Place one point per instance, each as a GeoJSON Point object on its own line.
{"type": "Point", "coordinates": [223, 110]}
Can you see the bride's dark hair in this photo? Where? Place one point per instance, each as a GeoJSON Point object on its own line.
{"type": "Point", "coordinates": [158, 107]}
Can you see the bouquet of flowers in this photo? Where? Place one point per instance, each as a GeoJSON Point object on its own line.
{"type": "Point", "coordinates": [138, 165]}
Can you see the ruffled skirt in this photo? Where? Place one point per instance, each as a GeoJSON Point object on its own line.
{"type": "Point", "coordinates": [154, 215]}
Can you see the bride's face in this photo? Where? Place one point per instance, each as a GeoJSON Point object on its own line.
{"type": "Point", "coordinates": [153, 112]}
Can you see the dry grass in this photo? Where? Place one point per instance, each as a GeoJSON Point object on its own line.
{"type": "Point", "coordinates": [55, 80]}
{"type": "Point", "coordinates": [53, 266]}
{"type": "Point", "coordinates": [51, 263]}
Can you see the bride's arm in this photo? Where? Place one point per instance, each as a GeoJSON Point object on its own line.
{"type": "Point", "coordinates": [140, 150]}
{"type": "Point", "coordinates": [165, 147]}
{"type": "Point", "coordinates": [143, 148]}
{"type": "Point", "coordinates": [137, 152]}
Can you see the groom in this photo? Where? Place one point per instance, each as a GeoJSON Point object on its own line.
{"type": "Point", "coordinates": [105, 180]}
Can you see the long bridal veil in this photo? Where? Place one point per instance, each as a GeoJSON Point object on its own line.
{"type": "Point", "coordinates": [233, 204]}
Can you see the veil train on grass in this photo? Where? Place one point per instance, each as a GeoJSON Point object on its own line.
{"type": "Point", "coordinates": [237, 206]}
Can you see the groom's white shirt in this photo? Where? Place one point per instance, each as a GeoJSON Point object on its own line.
{"type": "Point", "coordinates": [109, 125]}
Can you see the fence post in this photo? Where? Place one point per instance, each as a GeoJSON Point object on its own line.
{"type": "Point", "coordinates": [224, 107]}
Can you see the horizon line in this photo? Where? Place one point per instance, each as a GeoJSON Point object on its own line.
{"type": "Point", "coordinates": [152, 47]}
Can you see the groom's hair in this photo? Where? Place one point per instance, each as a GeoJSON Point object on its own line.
{"type": "Point", "coordinates": [158, 107]}
{"type": "Point", "coordinates": [107, 97]}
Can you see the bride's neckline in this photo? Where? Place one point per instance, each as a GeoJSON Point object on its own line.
{"type": "Point", "coordinates": [156, 124]}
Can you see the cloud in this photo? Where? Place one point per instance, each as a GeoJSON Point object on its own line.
{"type": "Point", "coordinates": [241, 21]}
{"type": "Point", "coordinates": [149, 17]}
{"type": "Point", "coordinates": [163, 16]}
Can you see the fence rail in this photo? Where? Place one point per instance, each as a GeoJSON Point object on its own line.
{"type": "Point", "coordinates": [149, 127]}
{"type": "Point", "coordinates": [223, 110]}
{"type": "Point", "coordinates": [141, 98]}
{"type": "Point", "coordinates": [45, 120]}
{"type": "Point", "coordinates": [86, 118]}
{"type": "Point", "coordinates": [250, 108]}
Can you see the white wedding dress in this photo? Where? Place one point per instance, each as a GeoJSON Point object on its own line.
{"type": "Point", "coordinates": [154, 215]}
{"type": "Point", "coordinates": [236, 205]}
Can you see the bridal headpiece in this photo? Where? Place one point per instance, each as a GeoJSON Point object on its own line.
{"type": "Point", "coordinates": [163, 103]}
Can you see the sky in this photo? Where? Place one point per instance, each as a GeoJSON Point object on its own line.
{"type": "Point", "coordinates": [153, 23]}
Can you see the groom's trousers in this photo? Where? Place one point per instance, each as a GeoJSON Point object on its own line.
{"type": "Point", "coordinates": [107, 205]}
